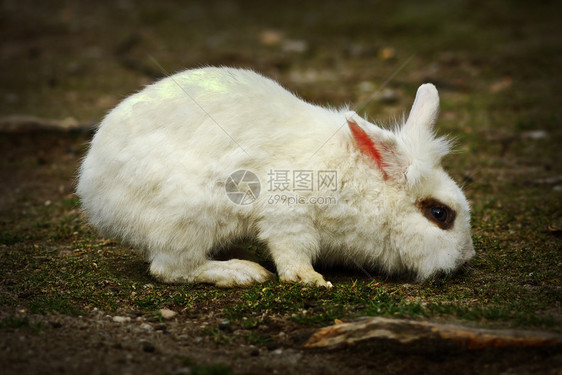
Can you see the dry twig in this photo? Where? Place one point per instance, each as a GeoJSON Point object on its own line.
{"type": "Point", "coordinates": [407, 331]}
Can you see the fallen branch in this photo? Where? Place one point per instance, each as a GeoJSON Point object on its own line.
{"type": "Point", "coordinates": [16, 123]}
{"type": "Point", "coordinates": [407, 331]}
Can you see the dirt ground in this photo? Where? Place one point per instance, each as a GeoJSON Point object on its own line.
{"type": "Point", "coordinates": [73, 61]}
{"type": "Point", "coordinates": [96, 344]}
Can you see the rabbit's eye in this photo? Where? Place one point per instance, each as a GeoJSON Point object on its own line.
{"type": "Point", "coordinates": [438, 213]}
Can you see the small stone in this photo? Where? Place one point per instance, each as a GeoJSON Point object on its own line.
{"type": "Point", "coordinates": [121, 319]}
{"type": "Point", "coordinates": [271, 37]}
{"type": "Point", "coordinates": [167, 313]}
{"type": "Point", "coordinates": [535, 134]}
{"type": "Point", "coordinates": [387, 53]}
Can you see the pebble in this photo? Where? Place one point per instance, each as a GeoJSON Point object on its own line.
{"type": "Point", "coordinates": [271, 37]}
{"type": "Point", "coordinates": [167, 313]}
{"type": "Point", "coordinates": [387, 53]}
{"type": "Point", "coordinates": [535, 134]}
{"type": "Point", "coordinates": [161, 328]}
{"type": "Point", "coordinates": [121, 319]}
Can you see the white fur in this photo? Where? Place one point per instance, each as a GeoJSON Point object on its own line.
{"type": "Point", "coordinates": [156, 171]}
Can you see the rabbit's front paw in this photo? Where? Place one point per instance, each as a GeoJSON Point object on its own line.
{"type": "Point", "coordinates": [305, 276]}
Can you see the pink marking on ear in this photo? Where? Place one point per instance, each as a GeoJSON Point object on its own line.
{"type": "Point", "coordinates": [366, 145]}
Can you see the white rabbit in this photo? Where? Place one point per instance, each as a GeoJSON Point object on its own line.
{"type": "Point", "coordinates": [158, 172]}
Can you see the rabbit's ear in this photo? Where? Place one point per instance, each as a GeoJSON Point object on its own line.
{"type": "Point", "coordinates": [378, 145]}
{"type": "Point", "coordinates": [425, 109]}
{"type": "Point", "coordinates": [422, 148]}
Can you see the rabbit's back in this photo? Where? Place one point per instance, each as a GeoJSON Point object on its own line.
{"type": "Point", "coordinates": [160, 158]}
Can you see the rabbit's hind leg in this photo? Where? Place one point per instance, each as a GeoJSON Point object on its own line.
{"type": "Point", "coordinates": [187, 260]}
{"type": "Point", "coordinates": [173, 268]}
{"type": "Point", "coordinates": [230, 273]}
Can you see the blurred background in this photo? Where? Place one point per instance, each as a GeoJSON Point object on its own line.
{"type": "Point", "coordinates": [75, 60]}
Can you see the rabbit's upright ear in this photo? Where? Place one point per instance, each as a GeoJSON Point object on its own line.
{"type": "Point", "coordinates": [378, 145]}
{"type": "Point", "coordinates": [425, 109]}
{"type": "Point", "coordinates": [422, 148]}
